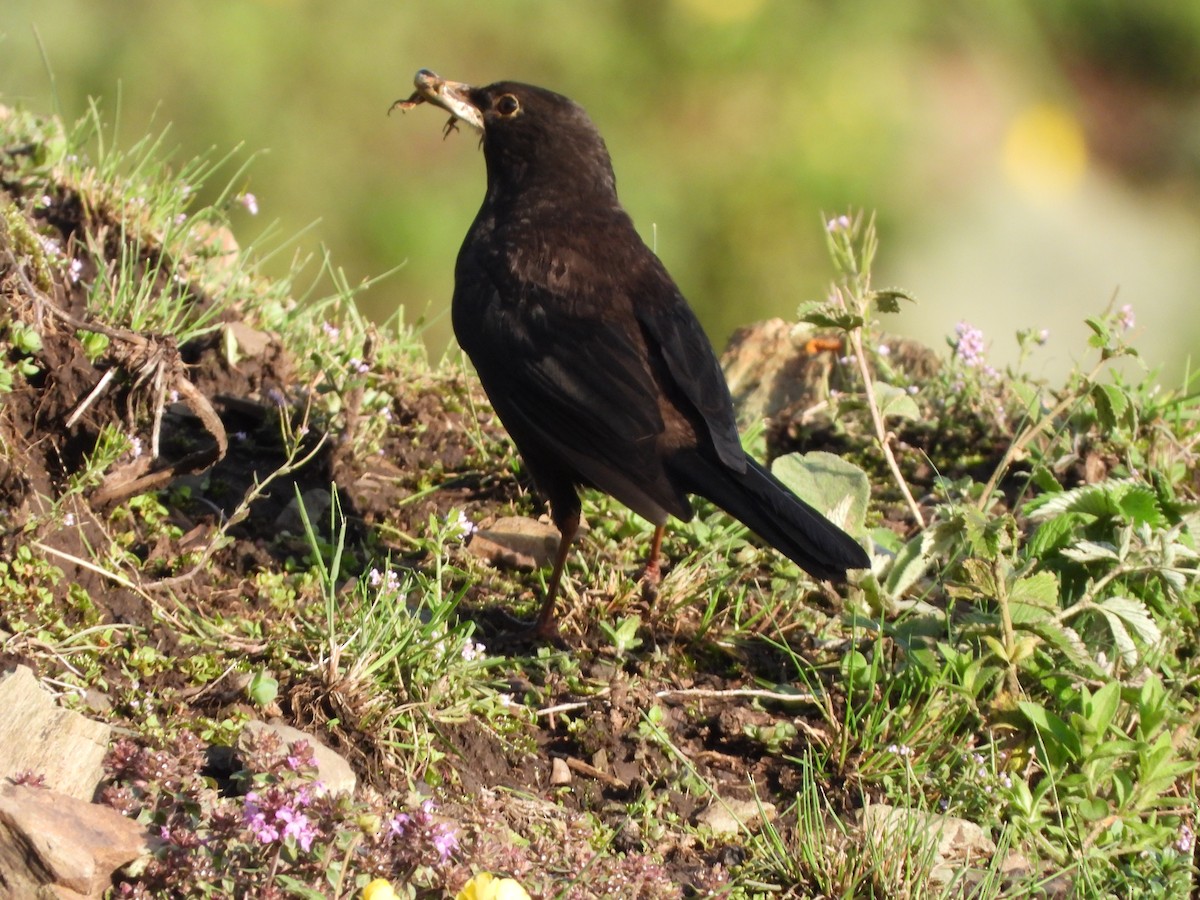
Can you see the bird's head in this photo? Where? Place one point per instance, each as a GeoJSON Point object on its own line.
{"type": "Point", "coordinates": [530, 134]}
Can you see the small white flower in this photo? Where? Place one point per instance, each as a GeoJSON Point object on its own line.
{"type": "Point", "coordinates": [459, 525]}
{"type": "Point", "coordinates": [250, 202]}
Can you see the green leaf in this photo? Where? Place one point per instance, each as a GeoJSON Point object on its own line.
{"type": "Point", "coordinates": [1111, 404]}
{"type": "Point", "coordinates": [837, 488]}
{"type": "Point", "coordinates": [1098, 500]}
{"type": "Point", "coordinates": [1060, 742]}
{"type": "Point", "coordinates": [843, 321]}
{"type": "Point", "coordinates": [1134, 614]}
{"type": "Point", "coordinates": [1039, 589]}
{"type": "Point", "coordinates": [909, 564]}
{"type": "Point", "coordinates": [1140, 506]}
{"type": "Point", "coordinates": [1091, 551]}
{"type": "Point", "coordinates": [888, 299]}
{"type": "Point", "coordinates": [263, 688]}
{"type": "Point", "coordinates": [1051, 534]}
{"type": "Point", "coordinates": [1067, 642]}
{"type": "Point", "coordinates": [1027, 613]}
{"type": "Point", "coordinates": [1092, 809]}
{"type": "Point", "coordinates": [896, 402]}
{"type": "Point", "coordinates": [1100, 708]}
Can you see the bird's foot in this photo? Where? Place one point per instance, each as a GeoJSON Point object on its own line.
{"type": "Point", "coordinates": [540, 630]}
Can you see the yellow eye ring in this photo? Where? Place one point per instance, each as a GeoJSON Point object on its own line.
{"type": "Point", "coordinates": [508, 106]}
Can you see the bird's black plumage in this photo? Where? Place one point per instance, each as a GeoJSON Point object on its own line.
{"type": "Point", "coordinates": [593, 360]}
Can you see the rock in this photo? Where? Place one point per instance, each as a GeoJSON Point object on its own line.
{"type": "Point", "coordinates": [250, 341]}
{"type": "Point", "coordinates": [64, 747]}
{"type": "Point", "coordinates": [730, 816]}
{"type": "Point", "coordinates": [957, 839]}
{"type": "Point", "coordinates": [768, 369]}
{"type": "Point", "coordinates": [560, 772]}
{"type": "Point", "coordinates": [316, 505]}
{"type": "Point", "coordinates": [776, 366]}
{"type": "Point", "coordinates": [516, 542]}
{"type": "Point", "coordinates": [963, 852]}
{"type": "Point", "coordinates": [55, 845]}
{"type": "Point", "coordinates": [332, 769]}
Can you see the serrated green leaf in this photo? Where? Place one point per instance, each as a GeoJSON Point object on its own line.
{"type": "Point", "coordinates": [1111, 404]}
{"type": "Point", "coordinates": [1134, 614]}
{"type": "Point", "coordinates": [1101, 499]}
{"type": "Point", "coordinates": [981, 576]}
{"type": "Point", "coordinates": [888, 299]}
{"type": "Point", "coordinates": [1091, 551]}
{"type": "Point", "coordinates": [1039, 589]}
{"type": "Point", "coordinates": [828, 483]}
{"type": "Point", "coordinates": [1067, 642]}
{"type": "Point", "coordinates": [1140, 506]}
{"type": "Point", "coordinates": [843, 321]}
{"type": "Point", "coordinates": [1027, 613]}
{"type": "Point", "coordinates": [1121, 638]}
{"type": "Point", "coordinates": [1051, 534]}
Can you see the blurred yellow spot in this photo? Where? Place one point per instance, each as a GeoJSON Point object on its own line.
{"type": "Point", "coordinates": [486, 886]}
{"type": "Point", "coordinates": [380, 889]}
{"type": "Point", "coordinates": [722, 11]}
{"type": "Point", "coordinates": [1045, 154]}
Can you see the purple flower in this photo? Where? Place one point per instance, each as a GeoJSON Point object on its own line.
{"type": "Point", "coordinates": [250, 202]}
{"type": "Point", "coordinates": [838, 223]}
{"type": "Point", "coordinates": [399, 824]}
{"type": "Point", "coordinates": [298, 826]}
{"type": "Point", "coordinates": [445, 842]}
{"type": "Point", "coordinates": [1126, 318]}
{"type": "Point", "coordinates": [1186, 839]}
{"type": "Point", "coordinates": [255, 818]}
{"type": "Point", "coordinates": [968, 346]}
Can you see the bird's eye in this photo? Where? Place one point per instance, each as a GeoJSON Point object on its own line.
{"type": "Point", "coordinates": [508, 106]}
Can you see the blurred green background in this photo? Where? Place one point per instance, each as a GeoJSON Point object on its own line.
{"type": "Point", "coordinates": [1028, 159]}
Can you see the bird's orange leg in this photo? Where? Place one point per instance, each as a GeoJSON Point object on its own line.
{"type": "Point", "coordinates": [545, 625]}
{"type": "Point", "coordinates": [652, 574]}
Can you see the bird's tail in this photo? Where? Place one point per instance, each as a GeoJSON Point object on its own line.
{"type": "Point", "coordinates": [761, 502]}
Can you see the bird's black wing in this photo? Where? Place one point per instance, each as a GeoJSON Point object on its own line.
{"type": "Point", "coordinates": [568, 376]}
{"type": "Point", "coordinates": [674, 330]}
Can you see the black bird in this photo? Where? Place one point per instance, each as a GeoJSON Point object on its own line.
{"type": "Point", "coordinates": [589, 353]}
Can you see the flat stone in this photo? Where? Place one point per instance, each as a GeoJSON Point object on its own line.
{"type": "Point", "coordinates": [516, 542]}
{"type": "Point", "coordinates": [64, 747]}
{"type": "Point", "coordinates": [730, 816]}
{"type": "Point", "coordinates": [55, 845]}
{"type": "Point", "coordinates": [332, 769]}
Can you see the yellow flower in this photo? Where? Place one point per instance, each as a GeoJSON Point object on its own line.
{"type": "Point", "coordinates": [380, 889]}
{"type": "Point", "coordinates": [486, 886]}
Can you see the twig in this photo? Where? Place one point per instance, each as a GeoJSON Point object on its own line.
{"type": "Point", "coordinates": [753, 693]}
{"type": "Point", "coordinates": [881, 432]}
